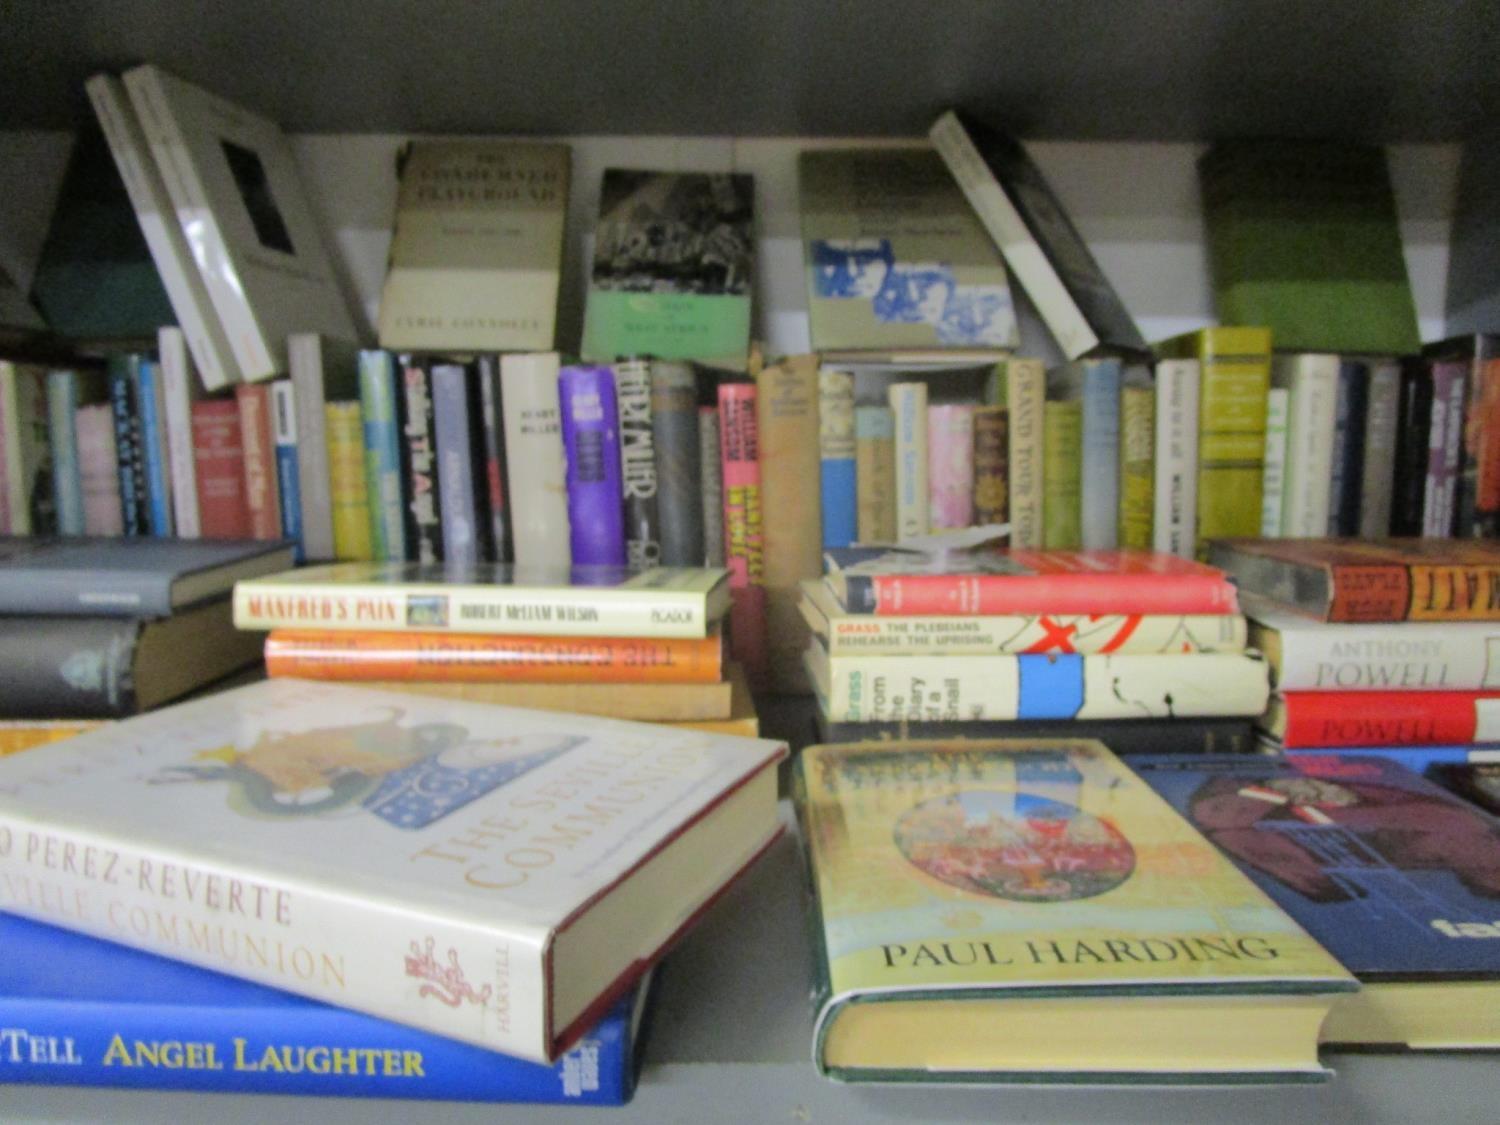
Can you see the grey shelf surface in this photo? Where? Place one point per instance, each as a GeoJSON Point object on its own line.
{"type": "Point", "coordinates": [731, 1042]}
{"type": "Point", "coordinates": [1388, 70]}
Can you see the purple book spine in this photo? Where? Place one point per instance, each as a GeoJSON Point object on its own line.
{"type": "Point", "coordinates": [590, 430]}
{"type": "Point", "coordinates": [1444, 442]}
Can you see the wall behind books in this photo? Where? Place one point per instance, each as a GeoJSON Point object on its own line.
{"type": "Point", "coordinates": [1136, 204]}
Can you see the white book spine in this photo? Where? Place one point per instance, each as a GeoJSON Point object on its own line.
{"type": "Point", "coordinates": [1026, 394]}
{"type": "Point", "coordinates": [1023, 256]}
{"type": "Point", "coordinates": [305, 359]}
{"type": "Point", "coordinates": [177, 392]}
{"type": "Point", "coordinates": [1412, 656]}
{"type": "Point", "coordinates": [164, 237]}
{"type": "Point", "coordinates": [1273, 473]}
{"type": "Point", "coordinates": [1381, 414]}
{"type": "Point", "coordinates": [195, 216]}
{"type": "Point", "coordinates": [909, 407]}
{"type": "Point", "coordinates": [1175, 516]}
{"type": "Point", "coordinates": [959, 688]}
{"type": "Point", "coordinates": [1313, 382]}
{"type": "Point", "coordinates": [316, 940]}
{"type": "Point", "coordinates": [534, 459]}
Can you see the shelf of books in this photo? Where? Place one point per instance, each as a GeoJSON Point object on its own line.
{"type": "Point", "coordinates": [530, 684]}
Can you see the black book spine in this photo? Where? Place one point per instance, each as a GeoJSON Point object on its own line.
{"type": "Point", "coordinates": [679, 480]}
{"type": "Point", "coordinates": [1124, 736]}
{"type": "Point", "coordinates": [1413, 433]}
{"type": "Point", "coordinates": [493, 421]}
{"type": "Point", "coordinates": [1353, 399]}
{"type": "Point", "coordinates": [420, 501]}
{"type": "Point", "coordinates": [638, 476]}
{"type": "Point", "coordinates": [78, 667]}
{"type": "Point", "coordinates": [130, 455]}
{"type": "Point", "coordinates": [479, 487]}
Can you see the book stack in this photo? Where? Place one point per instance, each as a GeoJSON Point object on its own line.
{"type": "Point", "coordinates": [406, 897]}
{"type": "Point", "coordinates": [590, 640]}
{"type": "Point", "coordinates": [1144, 651]}
{"type": "Point", "coordinates": [1384, 647]}
{"type": "Point", "coordinates": [100, 629]}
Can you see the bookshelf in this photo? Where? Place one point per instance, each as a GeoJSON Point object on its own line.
{"type": "Point", "coordinates": [1118, 100]}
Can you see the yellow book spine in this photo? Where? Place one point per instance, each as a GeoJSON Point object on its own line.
{"type": "Point", "coordinates": [346, 482]}
{"type": "Point", "coordinates": [1137, 427]}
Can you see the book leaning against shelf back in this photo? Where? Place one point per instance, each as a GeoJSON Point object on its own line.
{"type": "Point", "coordinates": [494, 875]}
{"type": "Point", "coordinates": [1029, 911]}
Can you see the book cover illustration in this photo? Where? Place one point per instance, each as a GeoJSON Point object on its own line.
{"type": "Point", "coordinates": [673, 259]}
{"type": "Point", "coordinates": [950, 867]}
{"type": "Point", "coordinates": [1397, 877]}
{"type": "Point", "coordinates": [896, 258]}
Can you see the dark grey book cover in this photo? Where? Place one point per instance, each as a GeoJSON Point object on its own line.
{"type": "Point", "coordinates": [421, 490]}
{"type": "Point", "coordinates": [493, 415]}
{"type": "Point", "coordinates": [81, 667]}
{"type": "Point", "coordinates": [127, 577]}
{"type": "Point", "coordinates": [638, 473]}
{"type": "Point", "coordinates": [679, 482]}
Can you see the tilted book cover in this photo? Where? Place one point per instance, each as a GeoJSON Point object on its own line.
{"type": "Point", "coordinates": [93, 1013]}
{"type": "Point", "coordinates": [580, 601]}
{"type": "Point", "coordinates": [673, 257]}
{"type": "Point", "coordinates": [498, 876]}
{"type": "Point", "coordinates": [234, 183]}
{"type": "Point", "coordinates": [1399, 879]}
{"type": "Point", "coordinates": [1043, 249]}
{"type": "Point", "coordinates": [1028, 910]}
{"type": "Point", "coordinates": [896, 257]}
{"type": "Point", "coordinates": [477, 247]}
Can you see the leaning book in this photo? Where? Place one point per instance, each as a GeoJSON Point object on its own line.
{"type": "Point", "coordinates": [83, 1012]}
{"type": "Point", "coordinates": [1030, 911]}
{"type": "Point", "coordinates": [495, 875]}
{"type": "Point", "coordinates": [580, 601]}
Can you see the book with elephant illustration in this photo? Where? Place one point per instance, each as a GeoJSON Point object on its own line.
{"type": "Point", "coordinates": [496, 875]}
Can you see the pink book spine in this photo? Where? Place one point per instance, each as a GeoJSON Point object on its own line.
{"type": "Point", "coordinates": [98, 469]}
{"type": "Point", "coordinates": [950, 466]}
{"type": "Point", "coordinates": [739, 456]}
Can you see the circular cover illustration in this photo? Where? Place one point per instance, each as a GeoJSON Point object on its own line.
{"type": "Point", "coordinates": [1015, 846]}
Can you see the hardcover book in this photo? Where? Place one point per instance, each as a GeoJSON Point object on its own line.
{"type": "Point", "coordinates": [259, 445]}
{"type": "Point", "coordinates": [1478, 499]}
{"type": "Point", "coordinates": [321, 838]}
{"type": "Point", "coordinates": [1123, 736]}
{"type": "Point", "coordinates": [93, 1013]}
{"type": "Point", "coordinates": [581, 601]}
{"type": "Point", "coordinates": [477, 247]}
{"type": "Point", "coordinates": [1043, 249]}
{"type": "Point", "coordinates": [649, 703]}
{"type": "Point", "coordinates": [679, 479]}
{"type": "Point", "coordinates": [908, 403]}
{"type": "Point", "coordinates": [382, 431]}
{"type": "Point", "coordinates": [1062, 475]}
{"type": "Point", "coordinates": [150, 396]}
{"type": "Point", "coordinates": [1379, 473]}
{"type": "Point", "coordinates": [1348, 447]}
{"type": "Point", "coordinates": [27, 505]}
{"type": "Point", "coordinates": [534, 459]}
{"type": "Point", "coordinates": [234, 185]}
{"type": "Point", "coordinates": [130, 454]}
{"type": "Point", "coordinates": [1376, 717]}
{"type": "Point", "coordinates": [1414, 412]}
{"type": "Point", "coordinates": [1303, 238]}
{"type": "Point", "coordinates": [917, 583]}
{"type": "Point", "coordinates": [288, 475]}
{"type": "Point", "coordinates": [1444, 448]}
{"type": "Point", "coordinates": [126, 577]}
{"type": "Point", "coordinates": [744, 525]}
{"type": "Point", "coordinates": [65, 395]}
{"type": "Point", "coordinates": [1025, 385]}
{"type": "Point", "coordinates": [1273, 472]}
{"type": "Point", "coordinates": [421, 491]}
{"type": "Point", "coordinates": [1397, 878]}
{"type": "Point", "coordinates": [201, 329]}
{"type": "Point", "coordinates": [991, 467]}
{"type": "Point", "coordinates": [103, 513]}
{"type": "Point", "coordinates": [674, 254]}
{"type": "Point", "coordinates": [1095, 385]}
{"type": "Point", "coordinates": [348, 492]}
{"type": "Point", "coordinates": [875, 473]}
{"type": "Point", "coordinates": [1137, 483]}
{"type": "Point", "coordinates": [1311, 655]}
{"type": "Point", "coordinates": [1234, 378]}
{"type": "Point", "coordinates": [465, 658]}
{"type": "Point", "coordinates": [1018, 910]}
{"type": "Point", "coordinates": [836, 469]}
{"type": "Point", "coordinates": [950, 466]}
{"type": "Point", "coordinates": [859, 634]}
{"type": "Point", "coordinates": [101, 667]}
{"type": "Point", "coordinates": [1351, 580]}
{"type": "Point", "coordinates": [590, 423]}
{"type": "Point", "coordinates": [711, 472]}
{"type": "Point", "coordinates": [179, 391]}
{"type": "Point", "coordinates": [1311, 381]}
{"type": "Point", "coordinates": [219, 464]}
{"type": "Point", "coordinates": [323, 370]}
{"type": "Point", "coordinates": [638, 464]}
{"type": "Point", "coordinates": [895, 256]}
{"type": "Point", "coordinates": [885, 688]}
{"type": "Point", "coordinates": [495, 474]}
{"type": "Point", "coordinates": [1175, 512]}
{"type": "Point", "coordinates": [458, 425]}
